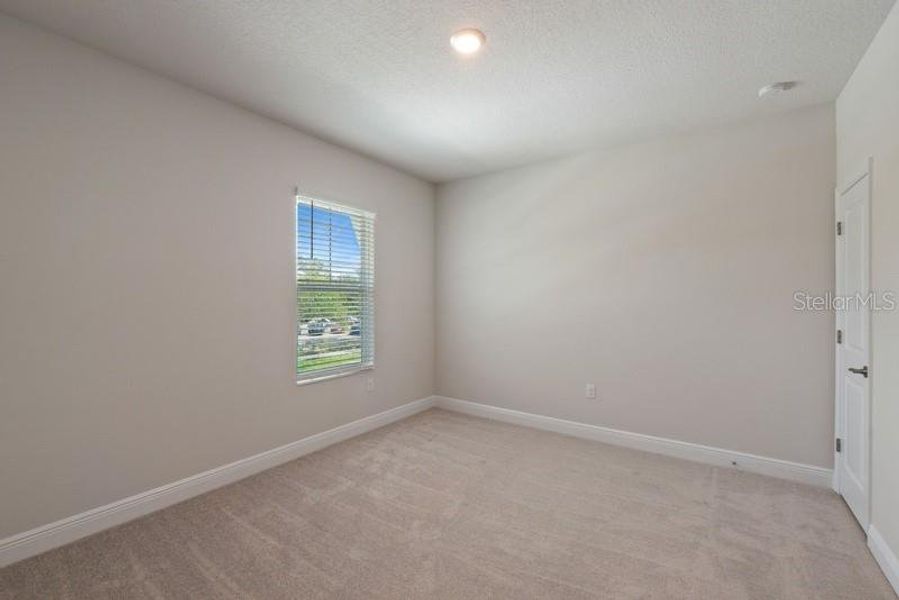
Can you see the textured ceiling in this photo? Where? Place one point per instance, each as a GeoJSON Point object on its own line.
{"type": "Point", "coordinates": [556, 76]}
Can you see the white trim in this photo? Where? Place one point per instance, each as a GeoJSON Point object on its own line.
{"type": "Point", "coordinates": [885, 557]}
{"type": "Point", "coordinates": [64, 531]}
{"type": "Point", "coordinates": [818, 476]}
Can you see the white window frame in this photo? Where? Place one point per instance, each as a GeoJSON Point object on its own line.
{"type": "Point", "coordinates": [367, 287]}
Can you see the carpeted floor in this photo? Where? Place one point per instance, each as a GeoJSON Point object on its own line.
{"type": "Point", "coordinates": [443, 505]}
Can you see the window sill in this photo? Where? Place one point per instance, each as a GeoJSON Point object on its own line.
{"type": "Point", "coordinates": [336, 375]}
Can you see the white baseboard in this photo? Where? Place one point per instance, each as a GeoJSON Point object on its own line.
{"type": "Point", "coordinates": [64, 531]}
{"type": "Point", "coordinates": [884, 556]}
{"type": "Point", "coordinates": [818, 476]}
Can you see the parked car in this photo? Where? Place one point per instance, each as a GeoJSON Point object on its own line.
{"type": "Point", "coordinates": [355, 326]}
{"type": "Point", "coordinates": [316, 327]}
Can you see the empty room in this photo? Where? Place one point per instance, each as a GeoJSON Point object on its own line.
{"type": "Point", "coordinates": [307, 299]}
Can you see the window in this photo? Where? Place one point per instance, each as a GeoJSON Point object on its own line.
{"type": "Point", "coordinates": [335, 289]}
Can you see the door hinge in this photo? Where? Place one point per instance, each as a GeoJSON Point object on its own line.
{"type": "Point", "coordinates": [839, 336]}
{"type": "Point", "coordinates": [839, 228]}
{"type": "Point", "coordinates": [839, 445]}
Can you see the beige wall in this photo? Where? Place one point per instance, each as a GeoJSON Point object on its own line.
{"type": "Point", "coordinates": [867, 117]}
{"type": "Point", "coordinates": [662, 272]}
{"type": "Point", "coordinates": [146, 264]}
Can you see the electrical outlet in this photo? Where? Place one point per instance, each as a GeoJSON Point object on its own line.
{"type": "Point", "coordinates": [590, 391]}
{"type": "Point", "coordinates": [370, 384]}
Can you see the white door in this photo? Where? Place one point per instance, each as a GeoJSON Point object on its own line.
{"type": "Point", "coordinates": [853, 418]}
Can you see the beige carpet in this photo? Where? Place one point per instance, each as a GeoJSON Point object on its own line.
{"type": "Point", "coordinates": [443, 505]}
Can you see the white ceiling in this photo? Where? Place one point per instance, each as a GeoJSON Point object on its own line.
{"type": "Point", "coordinates": [556, 76]}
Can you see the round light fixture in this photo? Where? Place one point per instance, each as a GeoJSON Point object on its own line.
{"type": "Point", "coordinates": [777, 88]}
{"type": "Point", "coordinates": [467, 41]}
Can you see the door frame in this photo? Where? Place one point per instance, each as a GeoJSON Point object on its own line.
{"type": "Point", "coordinates": [862, 171]}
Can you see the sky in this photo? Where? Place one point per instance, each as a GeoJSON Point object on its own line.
{"type": "Point", "coordinates": [335, 239]}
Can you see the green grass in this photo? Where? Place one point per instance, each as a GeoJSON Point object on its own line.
{"type": "Point", "coordinates": [315, 363]}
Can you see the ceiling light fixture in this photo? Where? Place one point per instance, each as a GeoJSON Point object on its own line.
{"type": "Point", "coordinates": [467, 41]}
{"type": "Point", "coordinates": [777, 88]}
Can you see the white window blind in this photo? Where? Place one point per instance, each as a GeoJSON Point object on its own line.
{"type": "Point", "coordinates": [335, 289]}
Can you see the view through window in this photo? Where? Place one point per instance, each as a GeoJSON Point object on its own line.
{"type": "Point", "coordinates": [335, 289]}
